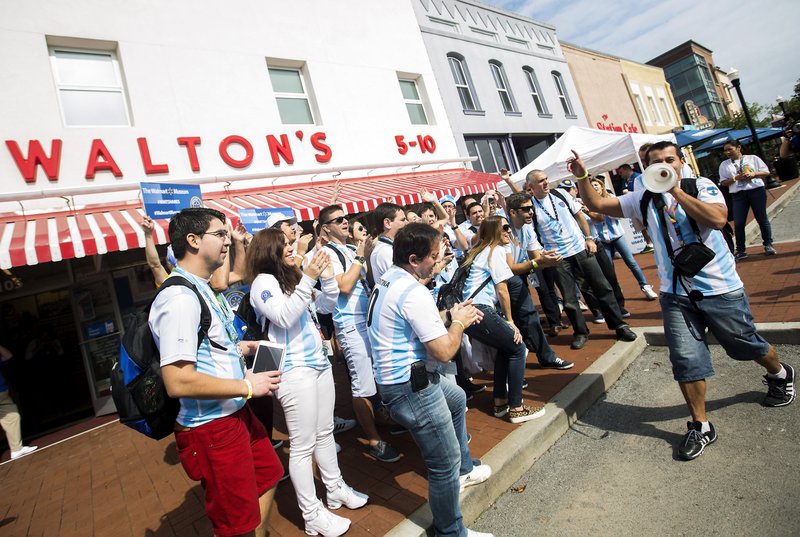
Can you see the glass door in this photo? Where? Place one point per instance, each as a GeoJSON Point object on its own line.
{"type": "Point", "coordinates": [99, 326]}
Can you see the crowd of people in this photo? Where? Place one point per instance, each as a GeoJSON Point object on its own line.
{"type": "Point", "coordinates": [369, 285]}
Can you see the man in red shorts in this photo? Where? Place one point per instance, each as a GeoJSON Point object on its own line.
{"type": "Point", "coordinates": [220, 442]}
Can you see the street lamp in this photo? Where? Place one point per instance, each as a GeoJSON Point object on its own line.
{"type": "Point", "coordinates": [733, 76]}
{"type": "Point", "coordinates": [782, 103]}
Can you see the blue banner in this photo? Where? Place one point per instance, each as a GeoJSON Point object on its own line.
{"type": "Point", "coordinates": [254, 220]}
{"type": "Point", "coordinates": [162, 200]}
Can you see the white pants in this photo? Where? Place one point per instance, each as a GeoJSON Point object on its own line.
{"type": "Point", "coordinates": [307, 396]}
{"type": "Point", "coordinates": [9, 419]}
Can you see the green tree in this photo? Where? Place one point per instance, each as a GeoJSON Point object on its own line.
{"type": "Point", "coordinates": [759, 113]}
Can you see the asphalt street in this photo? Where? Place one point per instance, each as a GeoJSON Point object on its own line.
{"type": "Point", "coordinates": [784, 223]}
{"type": "Point", "coordinates": [616, 471]}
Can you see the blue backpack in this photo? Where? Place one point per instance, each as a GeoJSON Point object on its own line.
{"type": "Point", "coordinates": [137, 387]}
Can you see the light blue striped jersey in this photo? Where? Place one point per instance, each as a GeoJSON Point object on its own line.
{"type": "Point", "coordinates": [469, 230]}
{"type": "Point", "coordinates": [523, 240]}
{"type": "Point", "coordinates": [403, 316]}
{"type": "Point", "coordinates": [444, 277]}
{"type": "Point", "coordinates": [351, 308]}
{"type": "Point", "coordinates": [557, 227]}
{"type": "Point", "coordinates": [716, 278]}
{"type": "Point", "coordinates": [174, 321]}
{"type": "Point", "coordinates": [292, 318]}
{"type": "Point", "coordinates": [484, 267]}
{"type": "Point", "coordinates": [607, 230]}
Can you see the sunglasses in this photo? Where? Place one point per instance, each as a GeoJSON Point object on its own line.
{"type": "Point", "coordinates": [338, 220]}
{"type": "Point", "coordinates": [526, 209]}
{"type": "Point", "coordinates": [506, 227]}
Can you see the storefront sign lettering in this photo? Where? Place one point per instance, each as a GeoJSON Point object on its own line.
{"type": "Point", "coordinates": [625, 127]}
{"type": "Point", "coordinates": [281, 149]}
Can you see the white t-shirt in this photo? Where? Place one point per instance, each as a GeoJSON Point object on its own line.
{"type": "Point", "coordinates": [381, 258]}
{"type": "Point", "coordinates": [731, 168]}
{"type": "Point", "coordinates": [524, 240]}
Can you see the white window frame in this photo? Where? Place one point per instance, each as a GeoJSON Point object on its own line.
{"type": "Point", "coordinates": [460, 64]}
{"type": "Point", "coordinates": [119, 87]}
{"type": "Point", "coordinates": [419, 101]}
{"type": "Point", "coordinates": [563, 96]}
{"type": "Point", "coordinates": [639, 102]}
{"type": "Point", "coordinates": [535, 91]}
{"type": "Point", "coordinates": [651, 101]}
{"type": "Point", "coordinates": [299, 96]}
{"type": "Point", "coordinates": [520, 42]}
{"type": "Point", "coordinates": [501, 84]}
{"type": "Point", "coordinates": [662, 97]}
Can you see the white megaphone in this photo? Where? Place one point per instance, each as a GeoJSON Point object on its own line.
{"type": "Point", "coordinates": [659, 178]}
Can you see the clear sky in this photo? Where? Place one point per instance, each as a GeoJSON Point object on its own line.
{"type": "Point", "coordinates": [761, 38]}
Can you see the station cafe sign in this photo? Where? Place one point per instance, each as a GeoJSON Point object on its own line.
{"type": "Point", "coordinates": [235, 151]}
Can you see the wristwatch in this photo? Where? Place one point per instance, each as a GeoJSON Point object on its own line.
{"type": "Point", "coordinates": [449, 319]}
{"type": "Point", "coordinates": [361, 259]}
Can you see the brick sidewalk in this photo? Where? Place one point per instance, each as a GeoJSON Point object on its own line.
{"type": "Point", "coordinates": [113, 482]}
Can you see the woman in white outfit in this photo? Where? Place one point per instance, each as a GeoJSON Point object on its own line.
{"type": "Point", "coordinates": [286, 299]}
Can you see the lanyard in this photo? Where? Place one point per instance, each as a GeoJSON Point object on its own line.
{"type": "Point", "coordinates": [221, 309]}
{"type": "Point", "coordinates": [671, 211]}
{"type": "Point", "coordinates": [552, 217]}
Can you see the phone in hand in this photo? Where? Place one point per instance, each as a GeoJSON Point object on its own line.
{"type": "Point", "coordinates": [269, 357]}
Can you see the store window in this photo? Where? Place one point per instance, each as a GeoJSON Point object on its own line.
{"type": "Point", "coordinates": [536, 92]}
{"type": "Point", "coordinates": [91, 91]}
{"type": "Point", "coordinates": [414, 104]}
{"type": "Point", "coordinates": [463, 82]}
{"type": "Point", "coordinates": [291, 95]}
{"type": "Point", "coordinates": [563, 96]}
{"type": "Point", "coordinates": [501, 83]}
{"type": "Point", "coordinates": [493, 154]}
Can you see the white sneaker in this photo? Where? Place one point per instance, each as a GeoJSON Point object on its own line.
{"type": "Point", "coordinates": [478, 475]}
{"type": "Point", "coordinates": [327, 524]}
{"type": "Point", "coordinates": [649, 293]}
{"type": "Point", "coordinates": [473, 533]}
{"type": "Point", "coordinates": [26, 450]}
{"type": "Point", "coordinates": [345, 495]}
{"type": "Point", "coordinates": [341, 425]}
{"type": "Point", "coordinates": [338, 447]}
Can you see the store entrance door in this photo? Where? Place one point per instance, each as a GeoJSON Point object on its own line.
{"type": "Point", "coordinates": [98, 322]}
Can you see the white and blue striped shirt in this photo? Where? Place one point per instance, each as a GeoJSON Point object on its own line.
{"type": "Point", "coordinates": [403, 317]}
{"type": "Point", "coordinates": [174, 321]}
{"type": "Point", "coordinates": [716, 278]}
{"type": "Point", "coordinates": [351, 308]}
{"type": "Point", "coordinates": [495, 267]}
{"type": "Point", "coordinates": [381, 258]}
{"type": "Point", "coordinates": [523, 241]}
{"type": "Point", "coordinates": [290, 317]}
{"type": "Point", "coordinates": [557, 227]}
{"type": "Point", "coordinates": [607, 230]}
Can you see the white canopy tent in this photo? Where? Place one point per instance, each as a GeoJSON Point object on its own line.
{"type": "Point", "coordinates": [602, 151]}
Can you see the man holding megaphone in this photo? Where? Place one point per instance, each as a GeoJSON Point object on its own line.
{"type": "Point", "coordinates": [700, 288]}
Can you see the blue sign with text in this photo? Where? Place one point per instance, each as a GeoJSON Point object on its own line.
{"type": "Point", "coordinates": [162, 200]}
{"type": "Point", "coordinates": [254, 220]}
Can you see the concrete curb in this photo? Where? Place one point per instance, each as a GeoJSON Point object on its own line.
{"type": "Point", "coordinates": [518, 451]}
{"type": "Point", "coordinates": [751, 229]}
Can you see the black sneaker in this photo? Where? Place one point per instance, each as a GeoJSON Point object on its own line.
{"type": "Point", "coordinates": [780, 392]}
{"type": "Point", "coordinates": [383, 452]}
{"type": "Point", "coordinates": [740, 255]}
{"type": "Point", "coordinates": [624, 333]}
{"type": "Point", "coordinates": [558, 363]}
{"type": "Point", "coordinates": [695, 441]}
{"type": "Point", "coordinates": [470, 387]}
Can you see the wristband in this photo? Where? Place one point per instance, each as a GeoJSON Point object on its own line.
{"type": "Point", "coordinates": [249, 390]}
{"type": "Point", "coordinates": [534, 265]}
{"type": "Point", "coordinates": [588, 238]}
{"type": "Point", "coordinates": [584, 176]}
{"type": "Point", "coordinates": [458, 321]}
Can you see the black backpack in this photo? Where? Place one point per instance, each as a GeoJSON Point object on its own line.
{"type": "Point", "coordinates": [136, 384]}
{"type": "Point", "coordinates": [252, 330]}
{"type": "Point", "coordinates": [452, 292]}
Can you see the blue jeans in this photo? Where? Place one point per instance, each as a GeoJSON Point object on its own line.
{"type": "Point", "coordinates": [727, 316]}
{"type": "Point", "coordinates": [621, 245]}
{"type": "Point", "coordinates": [435, 417]}
{"type": "Point", "coordinates": [509, 367]}
{"type": "Point", "coordinates": [743, 201]}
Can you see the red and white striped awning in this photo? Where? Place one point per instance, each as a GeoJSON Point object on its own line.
{"type": "Point", "coordinates": [29, 240]}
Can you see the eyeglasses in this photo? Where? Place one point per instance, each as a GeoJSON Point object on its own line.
{"type": "Point", "coordinates": [338, 220]}
{"type": "Point", "coordinates": [526, 209]}
{"type": "Point", "coordinates": [506, 227]}
{"type": "Point", "coordinates": [220, 233]}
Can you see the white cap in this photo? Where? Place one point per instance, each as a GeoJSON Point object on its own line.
{"type": "Point", "coordinates": [274, 219]}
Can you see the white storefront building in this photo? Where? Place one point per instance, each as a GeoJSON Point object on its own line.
{"type": "Point", "coordinates": [506, 86]}
{"type": "Point", "coordinates": [264, 104]}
